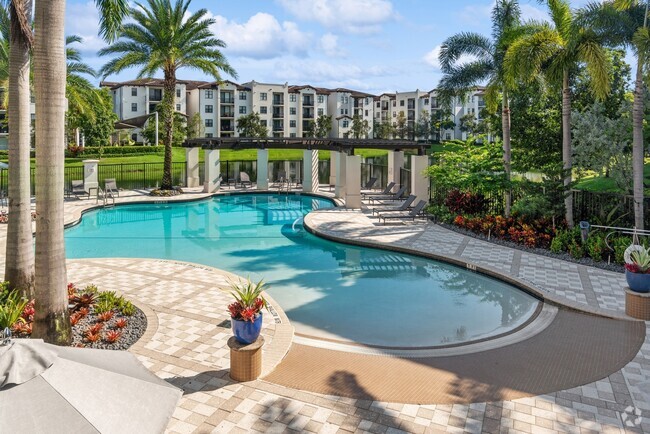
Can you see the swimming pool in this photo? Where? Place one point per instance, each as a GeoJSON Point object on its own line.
{"type": "Point", "coordinates": [327, 289]}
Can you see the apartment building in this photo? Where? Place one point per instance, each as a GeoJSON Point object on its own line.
{"type": "Point", "coordinates": [287, 110]}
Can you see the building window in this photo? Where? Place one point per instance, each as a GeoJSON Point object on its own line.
{"type": "Point", "coordinates": [242, 96]}
{"type": "Point", "coordinates": [209, 123]}
{"type": "Point", "coordinates": [394, 114]}
{"type": "Point", "coordinates": [242, 110]}
{"type": "Point", "coordinates": [321, 99]}
{"type": "Point", "coordinates": [448, 136]}
{"type": "Point", "coordinates": [394, 103]}
{"type": "Point", "coordinates": [377, 104]}
{"type": "Point", "coordinates": [178, 93]}
{"type": "Point", "coordinates": [263, 110]}
{"type": "Point", "coordinates": [366, 112]}
{"type": "Point", "coordinates": [292, 124]}
{"type": "Point", "coordinates": [293, 97]}
{"type": "Point", "coordinates": [426, 101]}
{"type": "Point", "coordinates": [401, 103]}
{"type": "Point", "coordinates": [209, 94]}
{"type": "Point", "coordinates": [341, 111]}
{"type": "Point", "coordinates": [208, 135]}
{"type": "Point", "coordinates": [134, 91]}
{"type": "Point", "coordinates": [178, 107]}
{"type": "Point", "coordinates": [263, 122]}
{"type": "Point", "coordinates": [208, 108]}
{"type": "Point", "coordinates": [320, 112]}
{"type": "Point", "coordinates": [367, 101]}
{"type": "Point", "coordinates": [292, 110]}
{"type": "Point", "coordinates": [346, 111]}
{"type": "Point", "coordinates": [292, 135]}
{"type": "Point", "coordinates": [346, 123]}
{"type": "Point", "coordinates": [134, 106]}
{"type": "Point", "coordinates": [263, 96]}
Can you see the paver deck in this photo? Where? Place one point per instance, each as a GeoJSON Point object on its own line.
{"type": "Point", "coordinates": [178, 347]}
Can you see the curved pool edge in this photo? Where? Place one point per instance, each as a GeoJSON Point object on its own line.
{"type": "Point", "coordinates": [523, 285]}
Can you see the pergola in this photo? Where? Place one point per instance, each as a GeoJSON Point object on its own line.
{"type": "Point", "coordinates": [345, 166]}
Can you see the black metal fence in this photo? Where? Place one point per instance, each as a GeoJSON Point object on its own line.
{"type": "Point", "coordinates": [495, 199]}
{"type": "Point", "coordinates": [371, 170]}
{"type": "Point", "coordinates": [405, 179]}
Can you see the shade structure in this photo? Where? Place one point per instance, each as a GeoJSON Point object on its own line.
{"type": "Point", "coordinates": [87, 391]}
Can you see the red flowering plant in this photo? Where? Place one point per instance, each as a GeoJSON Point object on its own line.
{"type": "Point", "coordinates": [249, 300]}
{"type": "Point", "coordinates": [639, 261]}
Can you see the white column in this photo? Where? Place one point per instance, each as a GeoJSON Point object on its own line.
{"type": "Point", "coordinates": [353, 185]}
{"type": "Point", "coordinates": [419, 179]}
{"type": "Point", "coordinates": [310, 171]}
{"type": "Point", "coordinates": [90, 174]}
{"type": "Point", "coordinates": [212, 171]}
{"type": "Point", "coordinates": [192, 167]}
{"type": "Point", "coordinates": [341, 165]}
{"type": "Point", "coordinates": [395, 163]}
{"type": "Point", "coordinates": [262, 169]}
{"type": "Point", "coordinates": [334, 159]}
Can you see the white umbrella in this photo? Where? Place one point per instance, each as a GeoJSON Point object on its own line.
{"type": "Point", "coordinates": [50, 389]}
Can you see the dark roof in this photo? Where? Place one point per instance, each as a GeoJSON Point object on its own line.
{"type": "Point", "coordinates": [158, 82]}
{"type": "Point", "coordinates": [304, 143]}
{"type": "Point", "coordinates": [319, 90]}
{"type": "Point", "coordinates": [353, 93]}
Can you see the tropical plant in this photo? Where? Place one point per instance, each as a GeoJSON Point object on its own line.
{"type": "Point", "coordinates": [167, 37]}
{"type": "Point", "coordinates": [79, 91]}
{"type": "Point", "coordinates": [249, 300]}
{"type": "Point", "coordinates": [554, 50]}
{"type": "Point", "coordinates": [625, 23]}
{"type": "Point", "coordinates": [400, 127]}
{"type": "Point", "coordinates": [103, 306]}
{"type": "Point", "coordinates": [487, 66]}
{"type": "Point", "coordinates": [639, 261]}
{"type": "Point", "coordinates": [113, 336]}
{"type": "Point", "coordinates": [360, 127]}
{"type": "Point", "coordinates": [250, 125]}
{"type": "Point", "coordinates": [195, 127]}
{"type": "Point", "coordinates": [11, 309]}
{"type": "Point", "coordinates": [127, 309]}
{"type": "Point", "coordinates": [97, 124]}
{"type": "Point", "coordinates": [322, 126]}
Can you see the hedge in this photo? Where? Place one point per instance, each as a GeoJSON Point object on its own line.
{"type": "Point", "coordinates": [94, 151]}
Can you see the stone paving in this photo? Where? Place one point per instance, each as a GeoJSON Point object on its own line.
{"type": "Point", "coordinates": [186, 345]}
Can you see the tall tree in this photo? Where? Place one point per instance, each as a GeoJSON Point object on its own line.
{"type": "Point", "coordinates": [19, 266]}
{"type": "Point", "coordinates": [400, 129]}
{"type": "Point", "coordinates": [163, 38]}
{"type": "Point", "coordinates": [51, 321]}
{"type": "Point", "coordinates": [486, 67]}
{"type": "Point", "coordinates": [625, 23]}
{"type": "Point", "coordinates": [251, 126]}
{"type": "Point", "coordinates": [360, 127]}
{"type": "Point", "coordinates": [79, 91]}
{"type": "Point", "coordinates": [323, 126]}
{"type": "Point", "coordinates": [556, 49]}
{"type": "Point", "coordinates": [423, 126]}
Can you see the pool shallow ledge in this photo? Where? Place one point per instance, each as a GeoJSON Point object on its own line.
{"type": "Point", "coordinates": [544, 297]}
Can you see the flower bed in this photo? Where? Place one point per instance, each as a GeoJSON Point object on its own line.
{"type": "Point", "coordinates": [537, 233]}
{"type": "Point", "coordinates": [99, 319]}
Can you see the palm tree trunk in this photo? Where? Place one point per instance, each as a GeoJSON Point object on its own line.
{"type": "Point", "coordinates": [19, 265]}
{"type": "Point", "coordinates": [51, 322]}
{"type": "Point", "coordinates": [637, 146]}
{"type": "Point", "coordinates": [505, 124]}
{"type": "Point", "coordinates": [566, 148]}
{"type": "Point", "coordinates": [169, 95]}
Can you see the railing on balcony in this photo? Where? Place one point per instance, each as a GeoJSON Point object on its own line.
{"type": "Point", "coordinates": [308, 113]}
{"type": "Point", "coordinates": [227, 99]}
{"type": "Point", "coordinates": [278, 113]}
{"type": "Point", "coordinates": [278, 100]}
{"type": "Point", "coordinates": [155, 94]}
{"type": "Point", "coordinates": [225, 113]}
{"type": "Point", "coordinates": [278, 126]}
{"type": "Point", "coordinates": [411, 105]}
{"type": "Point", "coordinates": [307, 101]}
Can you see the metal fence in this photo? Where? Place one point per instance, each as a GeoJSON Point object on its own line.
{"type": "Point", "coordinates": [495, 199]}
{"type": "Point", "coordinates": [370, 170]}
{"type": "Point", "coordinates": [405, 179]}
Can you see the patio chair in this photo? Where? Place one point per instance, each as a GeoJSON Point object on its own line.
{"type": "Point", "coordinates": [77, 189]}
{"type": "Point", "coordinates": [411, 215]}
{"type": "Point", "coordinates": [386, 190]}
{"type": "Point", "coordinates": [245, 179]}
{"type": "Point", "coordinates": [110, 187]}
{"type": "Point", "coordinates": [405, 206]}
{"type": "Point", "coordinates": [392, 196]}
{"type": "Point", "coordinates": [369, 185]}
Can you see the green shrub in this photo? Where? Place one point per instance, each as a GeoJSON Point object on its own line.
{"type": "Point", "coordinates": [564, 238]}
{"type": "Point", "coordinates": [532, 208]}
{"type": "Point", "coordinates": [576, 250]}
{"type": "Point", "coordinates": [441, 213]}
{"type": "Point", "coordinates": [127, 309]}
{"type": "Point", "coordinates": [596, 246]}
{"type": "Point", "coordinates": [558, 245]}
{"type": "Point", "coordinates": [114, 151]}
{"type": "Point", "coordinates": [620, 244]}
{"type": "Point", "coordinates": [11, 308]}
{"type": "Point", "coordinates": [103, 306]}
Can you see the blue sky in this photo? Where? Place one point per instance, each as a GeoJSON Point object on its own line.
{"type": "Point", "coordinates": [369, 45]}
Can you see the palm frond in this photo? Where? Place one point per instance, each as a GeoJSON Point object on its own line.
{"type": "Point", "coordinates": [111, 15]}
{"type": "Point", "coordinates": [470, 44]}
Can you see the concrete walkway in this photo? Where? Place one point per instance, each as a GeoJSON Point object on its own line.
{"type": "Point", "coordinates": [185, 304]}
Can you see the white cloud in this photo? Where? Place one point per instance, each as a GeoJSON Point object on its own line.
{"type": "Point", "coordinates": [354, 16]}
{"type": "Point", "coordinates": [329, 44]}
{"type": "Point", "coordinates": [83, 20]}
{"type": "Point", "coordinates": [530, 12]}
{"type": "Point", "coordinates": [476, 15]}
{"type": "Point", "coordinates": [262, 36]}
{"type": "Point", "coordinates": [431, 58]}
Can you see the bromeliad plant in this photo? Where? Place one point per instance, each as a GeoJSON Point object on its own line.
{"type": "Point", "coordinates": [249, 300]}
{"type": "Point", "coordinates": [640, 261]}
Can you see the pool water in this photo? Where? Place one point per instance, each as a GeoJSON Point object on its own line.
{"type": "Point", "coordinates": [327, 289]}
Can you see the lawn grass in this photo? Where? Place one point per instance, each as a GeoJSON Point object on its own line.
{"type": "Point", "coordinates": [599, 183]}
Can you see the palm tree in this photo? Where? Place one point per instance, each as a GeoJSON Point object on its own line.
{"type": "Point", "coordinates": [162, 38]}
{"type": "Point", "coordinates": [79, 91]}
{"type": "Point", "coordinates": [555, 50]}
{"type": "Point", "coordinates": [486, 67]}
{"type": "Point", "coordinates": [19, 266]}
{"type": "Point", "coordinates": [4, 53]}
{"type": "Point", "coordinates": [625, 23]}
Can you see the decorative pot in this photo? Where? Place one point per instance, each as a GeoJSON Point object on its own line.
{"type": "Point", "coordinates": [247, 332]}
{"type": "Point", "coordinates": [638, 282]}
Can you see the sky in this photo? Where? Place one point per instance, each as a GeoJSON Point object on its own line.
{"type": "Point", "coordinates": [373, 46]}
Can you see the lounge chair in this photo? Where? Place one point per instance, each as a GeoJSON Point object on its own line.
{"type": "Point", "coordinates": [405, 206]}
{"type": "Point", "coordinates": [78, 189]}
{"type": "Point", "coordinates": [369, 185]}
{"type": "Point", "coordinates": [411, 215]}
{"type": "Point", "coordinates": [244, 179]}
{"type": "Point", "coordinates": [392, 196]}
{"type": "Point", "coordinates": [110, 187]}
{"type": "Point", "coordinates": [386, 190]}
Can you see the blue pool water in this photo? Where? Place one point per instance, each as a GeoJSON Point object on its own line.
{"type": "Point", "coordinates": [327, 289]}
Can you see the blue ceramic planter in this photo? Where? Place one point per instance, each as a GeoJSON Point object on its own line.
{"type": "Point", "coordinates": [638, 282]}
{"type": "Point", "coordinates": [247, 332]}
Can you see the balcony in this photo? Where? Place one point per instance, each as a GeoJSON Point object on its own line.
{"type": "Point", "coordinates": [155, 94]}
{"type": "Point", "coordinates": [384, 105]}
{"type": "Point", "coordinates": [278, 112]}
{"type": "Point", "coordinates": [227, 99]}
{"type": "Point", "coordinates": [307, 101]}
{"type": "Point", "coordinates": [411, 104]}
{"type": "Point", "coordinates": [278, 99]}
{"type": "Point", "coordinates": [225, 113]}
{"type": "Point", "coordinates": [308, 113]}
{"type": "Point", "coordinates": [278, 126]}
{"type": "Point", "coordinates": [227, 126]}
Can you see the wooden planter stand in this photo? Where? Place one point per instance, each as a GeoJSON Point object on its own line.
{"type": "Point", "coordinates": [245, 360]}
{"type": "Point", "coordinates": [637, 304]}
